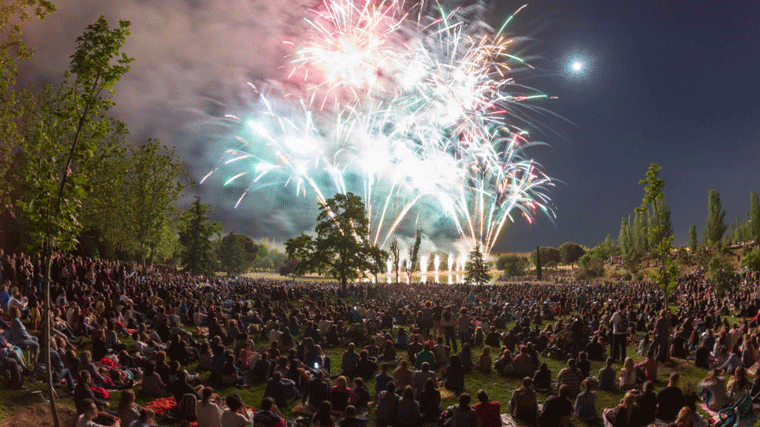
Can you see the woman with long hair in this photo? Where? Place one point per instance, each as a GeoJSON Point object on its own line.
{"type": "Point", "coordinates": [626, 412]}
{"type": "Point", "coordinates": [209, 413]}
{"type": "Point", "coordinates": [485, 361]}
{"type": "Point", "coordinates": [454, 375]}
{"type": "Point", "coordinates": [402, 375]}
{"type": "Point", "coordinates": [739, 385]}
{"type": "Point", "coordinates": [628, 375]}
{"type": "Point", "coordinates": [430, 401]}
{"type": "Point", "coordinates": [323, 417]}
{"type": "Point", "coordinates": [128, 410]}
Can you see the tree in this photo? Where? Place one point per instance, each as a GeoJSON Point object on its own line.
{"type": "Point", "coordinates": [63, 133]}
{"type": "Point", "coordinates": [715, 225]}
{"type": "Point", "coordinates": [593, 266]}
{"type": "Point", "coordinates": [666, 275]}
{"type": "Point", "coordinates": [13, 49]}
{"type": "Point", "coordinates": [693, 238]}
{"type": "Point", "coordinates": [625, 238]}
{"type": "Point", "coordinates": [237, 253]}
{"type": "Point", "coordinates": [414, 253]}
{"type": "Point", "coordinates": [196, 230]}
{"type": "Point", "coordinates": [570, 252]}
{"type": "Point", "coordinates": [606, 249]}
{"type": "Point", "coordinates": [152, 185]}
{"type": "Point", "coordinates": [476, 269]}
{"type": "Point", "coordinates": [548, 255]}
{"type": "Point", "coordinates": [396, 254]}
{"type": "Point", "coordinates": [287, 268]}
{"type": "Point", "coordinates": [754, 218]}
{"type": "Point", "coordinates": [537, 262]}
{"type": "Point", "coordinates": [341, 247]}
{"type": "Point", "coordinates": [751, 260]}
{"type": "Point", "coordinates": [721, 274]}
{"type": "Point", "coordinates": [512, 265]}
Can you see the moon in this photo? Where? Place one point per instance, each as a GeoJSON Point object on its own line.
{"type": "Point", "coordinates": [577, 66]}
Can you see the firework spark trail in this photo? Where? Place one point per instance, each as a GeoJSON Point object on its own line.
{"type": "Point", "coordinates": [418, 111]}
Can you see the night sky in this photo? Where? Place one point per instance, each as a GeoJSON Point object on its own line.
{"type": "Point", "coordinates": [672, 82]}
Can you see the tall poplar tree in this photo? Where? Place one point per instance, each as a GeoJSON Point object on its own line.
{"type": "Point", "coordinates": [715, 226]}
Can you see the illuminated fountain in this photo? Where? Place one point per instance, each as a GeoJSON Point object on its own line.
{"type": "Point", "coordinates": [423, 268]}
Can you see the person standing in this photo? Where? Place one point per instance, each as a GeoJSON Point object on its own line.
{"type": "Point", "coordinates": [448, 324]}
{"type": "Point", "coordinates": [619, 323]}
{"type": "Point", "coordinates": [662, 336]}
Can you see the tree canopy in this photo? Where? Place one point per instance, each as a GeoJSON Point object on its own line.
{"type": "Point", "coordinates": [341, 246]}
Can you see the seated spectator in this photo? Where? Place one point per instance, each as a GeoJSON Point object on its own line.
{"type": "Point", "coordinates": [523, 363]}
{"type": "Point", "coordinates": [542, 380]}
{"type": "Point", "coordinates": [152, 385]}
{"type": "Point", "coordinates": [386, 411]}
{"type": "Point", "coordinates": [382, 379]}
{"type": "Point", "coordinates": [571, 377]}
{"type": "Point", "coordinates": [739, 385]}
{"type": "Point", "coordinates": [420, 377]}
{"type": "Point", "coordinates": [487, 412]}
{"type": "Point", "coordinates": [524, 402]}
{"type": "Point", "coordinates": [626, 414]}
{"type": "Point", "coordinates": [647, 403]}
{"type": "Point", "coordinates": [557, 409]}
{"type": "Point", "coordinates": [236, 415]}
{"type": "Point", "coordinates": [351, 419]}
{"type": "Point", "coordinates": [366, 367]}
{"type": "Point", "coordinates": [430, 401]}
{"type": "Point", "coordinates": [485, 361]}
{"type": "Point", "coordinates": [734, 361]}
{"type": "Point", "coordinates": [408, 409]}
{"type": "Point", "coordinates": [324, 415]}
{"type": "Point", "coordinates": [583, 365]}
{"type": "Point", "coordinates": [402, 376]}
{"type": "Point", "coordinates": [180, 387]}
{"type": "Point", "coordinates": [670, 399]}
{"type": "Point", "coordinates": [627, 375]}
{"type": "Point", "coordinates": [685, 418]}
{"type": "Point", "coordinates": [424, 356]}
{"type": "Point", "coordinates": [349, 362]}
{"type": "Point", "coordinates": [84, 396]}
{"type": "Point", "coordinates": [268, 415]}
{"type": "Point", "coordinates": [360, 396]}
{"type": "Point", "coordinates": [128, 411]}
{"type": "Point", "coordinates": [462, 414]}
{"type": "Point", "coordinates": [90, 415]}
{"type": "Point", "coordinates": [465, 357]}
{"type": "Point", "coordinates": [340, 395]}
{"type": "Point", "coordinates": [209, 413]}
{"type": "Point", "coordinates": [18, 335]}
{"type": "Point", "coordinates": [505, 364]}
{"type": "Point", "coordinates": [453, 375]}
{"type": "Point", "coordinates": [585, 403]}
{"type": "Point", "coordinates": [649, 366]}
{"type": "Point", "coordinates": [607, 377]}
{"type": "Point", "coordinates": [281, 389]}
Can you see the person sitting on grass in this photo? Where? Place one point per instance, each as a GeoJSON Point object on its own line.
{"type": "Point", "coordinates": [386, 411]}
{"type": "Point", "coordinates": [462, 413]}
{"type": "Point", "coordinates": [524, 402]}
{"type": "Point", "coordinates": [487, 412]}
{"type": "Point", "coordinates": [454, 375]}
{"type": "Point", "coordinates": [485, 361]}
{"type": "Point", "coordinates": [607, 377]}
{"type": "Point", "coordinates": [585, 403]}
{"type": "Point", "coordinates": [268, 415]}
{"type": "Point", "coordinates": [324, 416]}
{"type": "Point", "coordinates": [408, 409]}
{"type": "Point", "coordinates": [83, 394]}
{"type": "Point", "coordinates": [236, 415]}
{"type": "Point", "coordinates": [430, 401]}
{"type": "Point", "coordinates": [90, 415]}
{"type": "Point", "coordinates": [542, 380]}
{"type": "Point", "coordinates": [209, 413]}
{"type": "Point", "coordinates": [557, 409]}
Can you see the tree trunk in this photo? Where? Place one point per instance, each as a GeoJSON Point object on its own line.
{"type": "Point", "coordinates": [48, 257]}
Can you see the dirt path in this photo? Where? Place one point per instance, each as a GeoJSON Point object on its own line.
{"type": "Point", "coordinates": [38, 415]}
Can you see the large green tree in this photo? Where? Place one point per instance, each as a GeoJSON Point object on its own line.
{"type": "Point", "coordinates": [512, 265]}
{"type": "Point", "coordinates": [476, 269]}
{"type": "Point", "coordinates": [570, 252]}
{"type": "Point", "coordinates": [414, 253]}
{"type": "Point", "coordinates": [693, 238]}
{"type": "Point", "coordinates": [341, 246]}
{"type": "Point", "coordinates": [65, 131]}
{"type": "Point", "coordinates": [13, 14]}
{"type": "Point", "coordinates": [152, 185]}
{"type": "Point", "coordinates": [549, 256]}
{"type": "Point", "coordinates": [715, 225]}
{"type": "Point", "coordinates": [196, 231]}
{"type": "Point", "coordinates": [751, 260]}
{"type": "Point", "coordinates": [237, 253]}
{"type": "Point", "coordinates": [665, 276]}
{"type": "Point", "coordinates": [721, 273]}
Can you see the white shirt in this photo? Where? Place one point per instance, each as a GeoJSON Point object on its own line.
{"type": "Point", "coordinates": [234, 419]}
{"type": "Point", "coordinates": [209, 415]}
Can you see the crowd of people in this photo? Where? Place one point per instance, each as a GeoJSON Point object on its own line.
{"type": "Point", "coordinates": [413, 342]}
